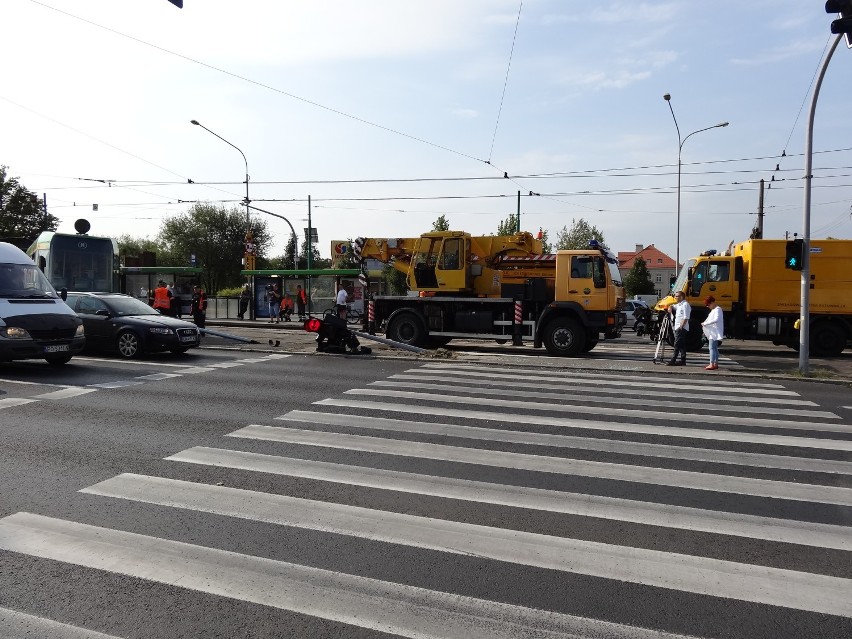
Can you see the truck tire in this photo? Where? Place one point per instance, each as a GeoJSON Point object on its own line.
{"type": "Point", "coordinates": [565, 337]}
{"type": "Point", "coordinates": [828, 339]}
{"type": "Point", "coordinates": [407, 329]}
{"type": "Point", "coordinates": [590, 344]}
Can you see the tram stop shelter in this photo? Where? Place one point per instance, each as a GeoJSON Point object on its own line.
{"type": "Point", "coordinates": [320, 285]}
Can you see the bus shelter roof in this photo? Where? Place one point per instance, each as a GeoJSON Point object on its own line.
{"type": "Point", "coordinates": [338, 272]}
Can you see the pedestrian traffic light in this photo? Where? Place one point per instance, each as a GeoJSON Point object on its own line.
{"type": "Point", "coordinates": [844, 23]}
{"type": "Point", "coordinates": [794, 258]}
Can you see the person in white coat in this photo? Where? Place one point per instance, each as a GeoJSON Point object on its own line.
{"type": "Point", "coordinates": [714, 329]}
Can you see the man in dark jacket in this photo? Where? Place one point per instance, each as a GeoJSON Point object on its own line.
{"type": "Point", "coordinates": [199, 306]}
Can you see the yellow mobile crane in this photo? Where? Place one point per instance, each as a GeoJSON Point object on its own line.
{"type": "Point", "coordinates": [496, 287]}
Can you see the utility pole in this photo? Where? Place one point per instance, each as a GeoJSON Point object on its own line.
{"type": "Point", "coordinates": [519, 212]}
{"type": "Point", "coordinates": [310, 253]}
{"type": "Point", "coordinates": [760, 213]}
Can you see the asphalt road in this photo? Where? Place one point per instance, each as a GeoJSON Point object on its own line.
{"type": "Point", "coordinates": [265, 491]}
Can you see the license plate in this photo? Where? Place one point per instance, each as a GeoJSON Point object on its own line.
{"type": "Point", "coordinates": [56, 348]}
{"type": "Point", "coordinates": [187, 338]}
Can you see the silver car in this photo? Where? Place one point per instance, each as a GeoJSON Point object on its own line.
{"type": "Point", "coordinates": [629, 307]}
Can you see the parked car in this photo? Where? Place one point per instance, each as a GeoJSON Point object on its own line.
{"type": "Point", "coordinates": [127, 326]}
{"type": "Point", "coordinates": [629, 307]}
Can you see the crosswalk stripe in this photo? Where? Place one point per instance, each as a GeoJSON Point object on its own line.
{"type": "Point", "coordinates": [155, 377]}
{"type": "Point", "coordinates": [687, 573]}
{"type": "Point", "coordinates": [586, 505]}
{"type": "Point", "coordinates": [120, 383]}
{"type": "Point", "coordinates": [590, 398]}
{"type": "Point", "coordinates": [568, 386]}
{"type": "Point", "coordinates": [193, 370]}
{"type": "Point", "coordinates": [557, 465]}
{"type": "Point", "coordinates": [706, 417]}
{"type": "Point", "coordinates": [19, 625]}
{"type": "Point", "coordinates": [65, 393]}
{"type": "Point", "coordinates": [363, 602]}
{"type": "Point", "coordinates": [587, 424]}
{"type": "Point", "coordinates": [567, 441]}
{"type": "Point", "coordinates": [9, 402]}
{"type": "Point", "coordinates": [612, 379]}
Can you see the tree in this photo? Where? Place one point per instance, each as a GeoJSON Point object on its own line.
{"type": "Point", "coordinates": [129, 246]}
{"type": "Point", "coordinates": [216, 237]}
{"type": "Point", "coordinates": [546, 246]}
{"type": "Point", "coordinates": [509, 226]}
{"type": "Point", "coordinates": [441, 224]}
{"type": "Point", "coordinates": [638, 279]}
{"type": "Point", "coordinates": [578, 236]}
{"type": "Point", "coordinates": [395, 281]}
{"type": "Point", "coordinates": [290, 253]}
{"type": "Point", "coordinates": [22, 214]}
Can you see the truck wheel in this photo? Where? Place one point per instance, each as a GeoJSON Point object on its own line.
{"type": "Point", "coordinates": [58, 360]}
{"type": "Point", "coordinates": [565, 337]}
{"type": "Point", "coordinates": [406, 328]}
{"type": "Point", "coordinates": [827, 339]}
{"type": "Point", "coordinates": [590, 344]}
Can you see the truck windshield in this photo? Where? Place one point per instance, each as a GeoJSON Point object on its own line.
{"type": "Point", "coordinates": [680, 282]}
{"type": "Point", "coordinates": [24, 281]}
{"type": "Point", "coordinates": [614, 274]}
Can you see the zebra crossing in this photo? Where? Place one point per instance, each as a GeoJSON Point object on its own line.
{"type": "Point", "coordinates": [717, 501]}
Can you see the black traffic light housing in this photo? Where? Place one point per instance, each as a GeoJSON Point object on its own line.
{"type": "Point", "coordinates": [795, 255]}
{"type": "Point", "coordinates": [844, 23]}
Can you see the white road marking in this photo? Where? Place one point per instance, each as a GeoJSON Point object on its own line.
{"type": "Point", "coordinates": [18, 381]}
{"type": "Point", "coordinates": [815, 493]}
{"type": "Point", "coordinates": [568, 441]}
{"type": "Point", "coordinates": [9, 402]}
{"type": "Point", "coordinates": [362, 602]}
{"type": "Point", "coordinates": [192, 370]}
{"type": "Point", "coordinates": [568, 386]}
{"type": "Point", "coordinates": [19, 625]}
{"type": "Point", "coordinates": [706, 417]}
{"type": "Point", "coordinates": [120, 383]}
{"type": "Point", "coordinates": [155, 377]}
{"type": "Point", "coordinates": [589, 398]}
{"type": "Point", "coordinates": [611, 379]}
{"type": "Point", "coordinates": [701, 575]}
{"type": "Point", "coordinates": [65, 393]}
{"type": "Point", "coordinates": [225, 365]}
{"type": "Point", "coordinates": [616, 427]}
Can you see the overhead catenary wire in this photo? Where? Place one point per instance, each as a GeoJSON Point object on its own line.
{"type": "Point", "coordinates": [505, 82]}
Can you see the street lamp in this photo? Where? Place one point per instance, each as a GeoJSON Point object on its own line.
{"type": "Point", "coordinates": [680, 144]}
{"type": "Point", "coordinates": [248, 201]}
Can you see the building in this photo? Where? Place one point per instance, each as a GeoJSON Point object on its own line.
{"type": "Point", "coordinates": [661, 267]}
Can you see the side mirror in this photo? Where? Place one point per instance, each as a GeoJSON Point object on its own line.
{"type": "Point", "coordinates": [103, 312]}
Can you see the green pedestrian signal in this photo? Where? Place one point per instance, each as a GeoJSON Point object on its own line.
{"type": "Point", "coordinates": [794, 256]}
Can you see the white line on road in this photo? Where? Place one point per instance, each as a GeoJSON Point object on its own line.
{"type": "Point", "coordinates": [815, 493]}
{"type": "Point", "coordinates": [585, 505]}
{"type": "Point", "coordinates": [701, 575]}
{"type": "Point", "coordinates": [9, 402]}
{"type": "Point", "coordinates": [362, 602]}
{"type": "Point", "coordinates": [121, 383]}
{"type": "Point", "coordinates": [65, 393]}
{"type": "Point", "coordinates": [615, 427]}
{"type": "Point", "coordinates": [18, 625]}
{"type": "Point", "coordinates": [155, 377]}
{"type": "Point", "coordinates": [706, 417]}
{"type": "Point", "coordinates": [567, 441]}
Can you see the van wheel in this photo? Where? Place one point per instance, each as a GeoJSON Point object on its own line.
{"type": "Point", "coordinates": [565, 337]}
{"type": "Point", "coordinates": [827, 339]}
{"type": "Point", "coordinates": [58, 360]}
{"type": "Point", "coordinates": [128, 345]}
{"type": "Point", "coordinates": [407, 329]}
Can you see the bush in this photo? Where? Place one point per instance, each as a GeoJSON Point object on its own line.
{"type": "Point", "coordinates": [229, 292]}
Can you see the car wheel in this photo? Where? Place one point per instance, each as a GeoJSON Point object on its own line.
{"type": "Point", "coordinates": [58, 360]}
{"type": "Point", "coordinates": [128, 345]}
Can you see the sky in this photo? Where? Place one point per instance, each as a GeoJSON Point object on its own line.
{"type": "Point", "coordinates": [390, 113]}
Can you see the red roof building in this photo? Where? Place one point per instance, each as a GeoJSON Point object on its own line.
{"type": "Point", "coordinates": [661, 267]}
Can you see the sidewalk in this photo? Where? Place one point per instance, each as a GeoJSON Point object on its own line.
{"type": "Point", "coordinates": [755, 359]}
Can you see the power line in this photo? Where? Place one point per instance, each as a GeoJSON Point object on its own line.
{"type": "Point", "coordinates": [505, 81]}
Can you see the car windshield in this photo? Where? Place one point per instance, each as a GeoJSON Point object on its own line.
{"type": "Point", "coordinates": [24, 281]}
{"type": "Point", "coordinates": [128, 306]}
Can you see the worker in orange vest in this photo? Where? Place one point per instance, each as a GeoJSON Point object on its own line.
{"type": "Point", "coordinates": [162, 298]}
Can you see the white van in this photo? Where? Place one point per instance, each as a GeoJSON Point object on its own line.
{"type": "Point", "coordinates": [35, 323]}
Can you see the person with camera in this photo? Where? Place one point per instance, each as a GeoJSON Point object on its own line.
{"type": "Point", "coordinates": [273, 302]}
{"type": "Point", "coordinates": [680, 324]}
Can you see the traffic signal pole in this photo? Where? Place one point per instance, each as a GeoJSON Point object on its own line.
{"type": "Point", "coordinates": [804, 313]}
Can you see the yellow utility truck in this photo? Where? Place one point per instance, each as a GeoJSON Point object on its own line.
{"type": "Point", "coordinates": [761, 296]}
{"type": "Point", "coordinates": [496, 288]}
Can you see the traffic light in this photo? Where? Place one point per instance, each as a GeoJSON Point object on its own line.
{"type": "Point", "coordinates": [794, 258]}
{"type": "Point", "coordinates": [844, 23]}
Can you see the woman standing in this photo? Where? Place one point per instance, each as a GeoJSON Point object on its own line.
{"type": "Point", "coordinates": [714, 329]}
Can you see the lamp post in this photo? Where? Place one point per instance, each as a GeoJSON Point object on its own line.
{"type": "Point", "coordinates": [248, 201]}
{"type": "Point", "coordinates": [680, 144]}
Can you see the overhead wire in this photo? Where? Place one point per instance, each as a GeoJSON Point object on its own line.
{"type": "Point", "coordinates": [505, 82]}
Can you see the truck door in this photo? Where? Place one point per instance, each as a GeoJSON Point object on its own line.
{"type": "Point", "coordinates": [451, 272]}
{"type": "Point", "coordinates": [713, 277]}
{"type": "Point", "coordinates": [588, 282]}
{"type": "Point", "coordinates": [423, 265]}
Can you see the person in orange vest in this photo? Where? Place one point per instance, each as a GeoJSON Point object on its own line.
{"type": "Point", "coordinates": [286, 307]}
{"type": "Point", "coordinates": [163, 298]}
{"type": "Point", "coordinates": [199, 306]}
{"type": "Point", "coordinates": [301, 300]}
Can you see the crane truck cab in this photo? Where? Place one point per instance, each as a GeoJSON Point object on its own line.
{"type": "Point", "coordinates": [35, 323]}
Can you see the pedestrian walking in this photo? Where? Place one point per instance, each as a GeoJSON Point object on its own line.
{"type": "Point", "coordinates": [199, 306]}
{"type": "Point", "coordinates": [301, 300]}
{"type": "Point", "coordinates": [174, 305]}
{"type": "Point", "coordinates": [273, 302]}
{"type": "Point", "coordinates": [681, 328]}
{"type": "Point", "coordinates": [245, 298]}
{"type": "Point", "coordinates": [714, 329]}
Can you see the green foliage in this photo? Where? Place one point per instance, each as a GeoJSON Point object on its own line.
{"type": "Point", "coordinates": [22, 214]}
{"type": "Point", "coordinates": [129, 246]}
{"type": "Point", "coordinates": [546, 246]}
{"type": "Point", "coordinates": [289, 258]}
{"type": "Point", "coordinates": [395, 281]}
{"type": "Point", "coordinates": [578, 236]}
{"type": "Point", "coordinates": [509, 226]}
{"type": "Point", "coordinates": [441, 224]}
{"type": "Point", "coordinates": [216, 237]}
{"type": "Point", "coordinates": [638, 279]}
